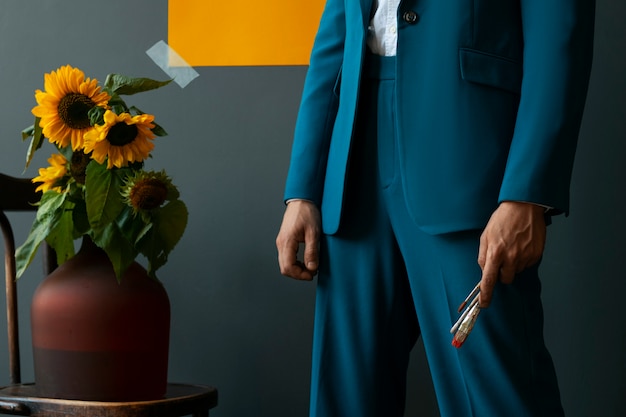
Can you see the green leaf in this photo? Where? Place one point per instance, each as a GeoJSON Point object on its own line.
{"type": "Point", "coordinates": [26, 252]}
{"type": "Point", "coordinates": [123, 85]}
{"type": "Point", "coordinates": [117, 105]}
{"type": "Point", "coordinates": [61, 237]}
{"type": "Point", "coordinates": [132, 226]}
{"type": "Point", "coordinates": [173, 194]}
{"type": "Point", "coordinates": [120, 251]}
{"type": "Point", "coordinates": [157, 129]}
{"type": "Point", "coordinates": [152, 248]}
{"type": "Point", "coordinates": [51, 209]}
{"type": "Point", "coordinates": [51, 205]}
{"type": "Point", "coordinates": [135, 111]}
{"type": "Point", "coordinates": [36, 133]}
{"type": "Point", "coordinates": [80, 219]}
{"type": "Point", "coordinates": [28, 132]}
{"type": "Point", "coordinates": [169, 224]}
{"type": "Point", "coordinates": [102, 195]}
{"type": "Point", "coordinates": [96, 115]}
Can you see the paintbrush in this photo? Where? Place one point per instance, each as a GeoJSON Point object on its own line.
{"type": "Point", "coordinates": [464, 325]}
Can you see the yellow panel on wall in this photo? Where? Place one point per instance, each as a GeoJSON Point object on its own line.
{"type": "Point", "coordinates": [243, 32]}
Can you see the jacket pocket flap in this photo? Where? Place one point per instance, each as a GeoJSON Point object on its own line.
{"type": "Point", "coordinates": [496, 71]}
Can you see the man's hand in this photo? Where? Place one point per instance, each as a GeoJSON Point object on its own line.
{"type": "Point", "coordinates": [301, 224]}
{"type": "Point", "coordinates": [513, 240]}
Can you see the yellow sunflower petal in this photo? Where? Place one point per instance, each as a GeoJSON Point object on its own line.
{"type": "Point", "coordinates": [64, 88]}
{"type": "Point", "coordinates": [109, 140]}
{"type": "Point", "coordinates": [49, 176]}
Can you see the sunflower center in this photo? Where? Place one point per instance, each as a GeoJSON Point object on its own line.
{"type": "Point", "coordinates": [78, 166]}
{"type": "Point", "coordinates": [74, 110]}
{"type": "Point", "coordinates": [122, 134]}
{"type": "Point", "coordinates": [148, 194]}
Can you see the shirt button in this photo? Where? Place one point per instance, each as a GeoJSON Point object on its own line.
{"type": "Point", "coordinates": [410, 17]}
{"type": "Point", "coordinates": [392, 30]}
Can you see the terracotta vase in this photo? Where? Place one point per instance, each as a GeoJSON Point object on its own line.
{"type": "Point", "coordinates": [97, 339]}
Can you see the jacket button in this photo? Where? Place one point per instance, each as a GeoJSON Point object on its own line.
{"type": "Point", "coordinates": [410, 17]}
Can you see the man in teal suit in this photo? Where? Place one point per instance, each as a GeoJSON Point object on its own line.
{"type": "Point", "coordinates": [434, 140]}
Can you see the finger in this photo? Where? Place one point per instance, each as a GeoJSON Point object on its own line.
{"type": "Point", "coordinates": [299, 272]}
{"type": "Point", "coordinates": [288, 261]}
{"type": "Point", "coordinates": [487, 283]}
{"type": "Point", "coordinates": [311, 251]}
{"type": "Point", "coordinates": [482, 251]}
{"type": "Point", "coordinates": [507, 274]}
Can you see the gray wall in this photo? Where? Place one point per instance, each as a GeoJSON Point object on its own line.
{"type": "Point", "coordinates": [237, 324]}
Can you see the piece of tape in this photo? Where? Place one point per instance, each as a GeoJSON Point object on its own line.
{"type": "Point", "coordinates": [172, 64]}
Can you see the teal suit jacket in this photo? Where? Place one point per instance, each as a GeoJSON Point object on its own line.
{"type": "Point", "coordinates": [490, 95]}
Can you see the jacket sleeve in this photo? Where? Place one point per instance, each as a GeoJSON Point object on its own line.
{"type": "Point", "coordinates": [318, 107]}
{"type": "Point", "coordinates": [558, 49]}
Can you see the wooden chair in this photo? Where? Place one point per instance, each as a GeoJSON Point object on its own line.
{"type": "Point", "coordinates": [22, 399]}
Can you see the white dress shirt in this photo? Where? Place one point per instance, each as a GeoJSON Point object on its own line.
{"type": "Point", "coordinates": [383, 30]}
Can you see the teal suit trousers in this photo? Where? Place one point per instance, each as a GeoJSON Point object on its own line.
{"type": "Point", "coordinates": [383, 282]}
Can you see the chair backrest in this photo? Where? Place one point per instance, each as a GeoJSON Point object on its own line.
{"type": "Point", "coordinates": [16, 194]}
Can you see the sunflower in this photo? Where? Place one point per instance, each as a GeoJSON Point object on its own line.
{"type": "Point", "coordinates": [50, 176]}
{"type": "Point", "coordinates": [78, 166]}
{"type": "Point", "coordinates": [64, 105]}
{"type": "Point", "coordinates": [122, 138]}
{"type": "Point", "coordinates": [148, 190]}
